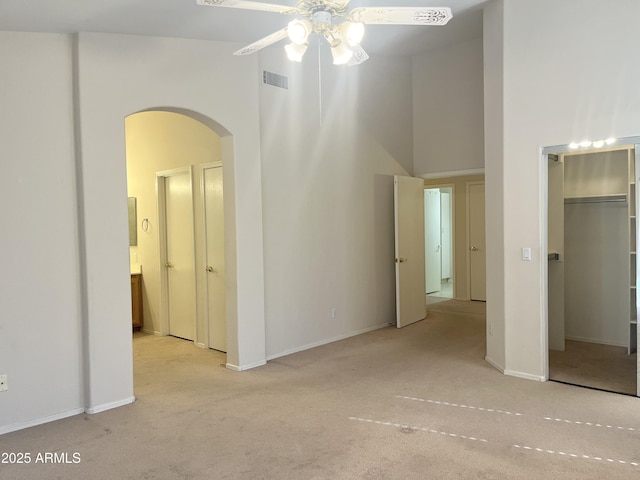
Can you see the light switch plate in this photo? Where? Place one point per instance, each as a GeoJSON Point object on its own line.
{"type": "Point", "coordinates": [526, 254]}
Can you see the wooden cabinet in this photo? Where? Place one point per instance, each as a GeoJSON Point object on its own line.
{"type": "Point", "coordinates": [136, 301]}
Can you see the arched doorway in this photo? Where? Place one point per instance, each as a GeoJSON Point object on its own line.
{"type": "Point", "coordinates": [168, 156]}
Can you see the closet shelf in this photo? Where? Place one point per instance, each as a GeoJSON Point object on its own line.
{"type": "Point", "coordinates": [615, 197]}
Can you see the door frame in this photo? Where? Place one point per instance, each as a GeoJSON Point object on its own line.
{"type": "Point", "coordinates": [468, 239]}
{"type": "Point", "coordinates": [161, 196]}
{"type": "Point", "coordinates": [544, 153]}
{"type": "Point", "coordinates": [203, 210]}
{"type": "Point", "coordinates": [452, 186]}
{"type": "Point", "coordinates": [431, 251]}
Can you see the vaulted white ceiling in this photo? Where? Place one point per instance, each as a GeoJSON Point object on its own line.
{"type": "Point", "coordinates": [186, 19]}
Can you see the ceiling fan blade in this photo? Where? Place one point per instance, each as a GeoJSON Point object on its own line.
{"type": "Point", "coordinates": [263, 42]}
{"type": "Point", "coordinates": [402, 15]}
{"type": "Point", "coordinates": [247, 5]}
{"type": "Point", "coordinates": [359, 56]}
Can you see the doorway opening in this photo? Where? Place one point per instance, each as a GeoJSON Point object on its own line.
{"type": "Point", "coordinates": [174, 172]}
{"type": "Point", "coordinates": [467, 222]}
{"type": "Point", "coordinates": [439, 243]}
{"type": "Point", "coordinates": [591, 274]}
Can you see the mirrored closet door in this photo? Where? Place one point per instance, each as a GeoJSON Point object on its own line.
{"type": "Point", "coordinates": [592, 300]}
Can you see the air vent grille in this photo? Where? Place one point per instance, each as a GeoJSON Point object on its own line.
{"type": "Point", "coordinates": [275, 80]}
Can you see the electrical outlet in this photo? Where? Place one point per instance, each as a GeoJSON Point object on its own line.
{"type": "Point", "coordinates": [4, 385]}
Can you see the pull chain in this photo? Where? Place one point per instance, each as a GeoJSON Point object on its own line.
{"type": "Point", "coordinates": [320, 80]}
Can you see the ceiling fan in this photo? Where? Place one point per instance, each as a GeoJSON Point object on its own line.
{"type": "Point", "coordinates": [332, 20]}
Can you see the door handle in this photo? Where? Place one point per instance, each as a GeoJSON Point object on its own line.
{"type": "Point", "coordinates": [210, 269]}
{"type": "Point", "coordinates": [168, 265]}
{"type": "Point", "coordinates": [401, 260]}
{"type": "Point", "coordinates": [474, 249]}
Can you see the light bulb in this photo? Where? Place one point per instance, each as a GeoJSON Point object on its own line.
{"type": "Point", "coordinates": [598, 144]}
{"type": "Point", "coordinates": [295, 52]}
{"type": "Point", "coordinates": [610, 141]}
{"type": "Point", "coordinates": [573, 146]}
{"type": "Point", "coordinates": [353, 33]}
{"type": "Point", "coordinates": [341, 54]}
{"type": "Point", "coordinates": [585, 143]}
{"type": "Point", "coordinates": [298, 31]}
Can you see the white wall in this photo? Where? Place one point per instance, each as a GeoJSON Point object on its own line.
{"type": "Point", "coordinates": [328, 195]}
{"type": "Point", "coordinates": [567, 76]}
{"type": "Point", "coordinates": [199, 76]}
{"type": "Point", "coordinates": [493, 42]}
{"type": "Point", "coordinates": [40, 323]}
{"type": "Point", "coordinates": [448, 109]}
{"type": "Point", "coordinates": [66, 300]}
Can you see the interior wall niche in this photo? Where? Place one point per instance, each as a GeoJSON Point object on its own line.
{"type": "Point", "coordinates": [592, 299]}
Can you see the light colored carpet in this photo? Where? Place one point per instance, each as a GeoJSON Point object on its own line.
{"type": "Point", "coordinates": [415, 403]}
{"type": "Point", "coordinates": [594, 365]}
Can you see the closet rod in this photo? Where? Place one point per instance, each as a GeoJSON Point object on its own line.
{"type": "Point", "coordinates": [621, 197]}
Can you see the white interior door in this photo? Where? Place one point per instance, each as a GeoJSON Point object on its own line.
{"type": "Point", "coordinates": [409, 249]}
{"type": "Point", "coordinates": [216, 278]}
{"type": "Point", "coordinates": [477, 250]}
{"type": "Point", "coordinates": [180, 255]}
{"type": "Point", "coordinates": [432, 244]}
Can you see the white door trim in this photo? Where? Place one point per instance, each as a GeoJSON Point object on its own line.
{"type": "Point", "coordinates": [162, 246]}
{"type": "Point", "coordinates": [544, 264]}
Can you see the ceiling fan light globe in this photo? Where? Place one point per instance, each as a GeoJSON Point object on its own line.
{"type": "Point", "coordinates": [353, 32]}
{"type": "Point", "coordinates": [299, 31]}
{"type": "Point", "coordinates": [341, 54]}
{"type": "Point", "coordinates": [295, 52]}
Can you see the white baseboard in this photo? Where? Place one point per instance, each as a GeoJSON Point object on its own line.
{"type": "Point", "coordinates": [39, 421]}
{"type": "Point", "coordinates": [513, 373]}
{"type": "Point", "coordinates": [526, 376]}
{"type": "Point", "coordinates": [242, 368]}
{"type": "Point", "coordinates": [494, 364]}
{"type": "Point", "coordinates": [596, 340]}
{"type": "Point", "coordinates": [150, 332]}
{"type": "Point", "coordinates": [110, 405]}
{"type": "Point", "coordinates": [329, 340]}
{"type": "Point", "coordinates": [200, 345]}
